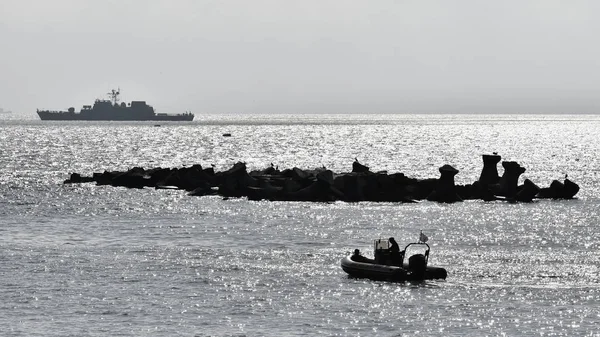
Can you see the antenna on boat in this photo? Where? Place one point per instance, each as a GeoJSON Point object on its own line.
{"type": "Point", "coordinates": [114, 95]}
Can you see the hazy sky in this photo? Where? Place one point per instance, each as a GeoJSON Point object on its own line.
{"type": "Point", "coordinates": [303, 56]}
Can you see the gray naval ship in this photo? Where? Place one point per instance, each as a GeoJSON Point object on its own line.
{"type": "Point", "coordinates": [112, 110]}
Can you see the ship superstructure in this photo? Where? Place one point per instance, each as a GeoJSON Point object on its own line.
{"type": "Point", "coordinates": [112, 110]}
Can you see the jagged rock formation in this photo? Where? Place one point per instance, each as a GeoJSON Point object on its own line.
{"type": "Point", "coordinates": [323, 185]}
{"type": "Point", "coordinates": [445, 190]}
{"type": "Point", "coordinates": [507, 186]}
{"type": "Point", "coordinates": [489, 173]}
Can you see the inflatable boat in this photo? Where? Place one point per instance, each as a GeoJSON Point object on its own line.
{"type": "Point", "coordinates": [410, 265]}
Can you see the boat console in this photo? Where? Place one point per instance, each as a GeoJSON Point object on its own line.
{"type": "Point", "coordinates": [381, 251]}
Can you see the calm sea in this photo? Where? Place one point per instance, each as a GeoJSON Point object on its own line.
{"type": "Point", "coordinates": [86, 260]}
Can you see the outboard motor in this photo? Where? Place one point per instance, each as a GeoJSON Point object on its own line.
{"type": "Point", "coordinates": [417, 265]}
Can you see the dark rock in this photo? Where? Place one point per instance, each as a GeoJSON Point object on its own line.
{"type": "Point", "coordinates": [555, 191]}
{"type": "Point", "coordinates": [476, 191]}
{"type": "Point", "coordinates": [508, 183]}
{"type": "Point", "coordinates": [209, 171]}
{"type": "Point", "coordinates": [157, 175]}
{"type": "Point", "coordinates": [76, 178]}
{"type": "Point", "coordinates": [420, 189]}
{"type": "Point", "coordinates": [381, 187]}
{"type": "Point", "coordinates": [195, 177]}
{"type": "Point", "coordinates": [105, 177]}
{"type": "Point", "coordinates": [359, 168]}
{"type": "Point", "coordinates": [299, 175]}
{"type": "Point", "coordinates": [186, 178]}
{"type": "Point", "coordinates": [527, 192]}
{"type": "Point", "coordinates": [169, 178]}
{"type": "Point", "coordinates": [234, 181]}
{"type": "Point", "coordinates": [445, 190]}
{"type": "Point", "coordinates": [385, 188]}
{"type": "Point", "coordinates": [133, 178]}
{"type": "Point", "coordinates": [489, 173]}
{"type": "Point", "coordinates": [326, 177]}
{"type": "Point", "coordinates": [265, 191]}
{"type": "Point", "coordinates": [321, 190]}
{"type": "Point", "coordinates": [558, 190]}
{"type": "Point", "coordinates": [351, 185]}
{"type": "Point", "coordinates": [269, 171]}
{"type": "Point", "coordinates": [570, 190]}
{"type": "Point", "coordinates": [291, 185]}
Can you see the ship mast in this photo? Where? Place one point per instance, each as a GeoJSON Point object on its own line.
{"type": "Point", "coordinates": [114, 96]}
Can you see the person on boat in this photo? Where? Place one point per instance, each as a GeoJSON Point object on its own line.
{"type": "Point", "coordinates": [356, 257]}
{"type": "Point", "coordinates": [395, 255]}
{"type": "Point", "coordinates": [394, 248]}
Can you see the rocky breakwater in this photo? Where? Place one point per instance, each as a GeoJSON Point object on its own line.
{"type": "Point", "coordinates": [323, 185]}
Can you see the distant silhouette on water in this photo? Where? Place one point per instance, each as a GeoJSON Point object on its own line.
{"type": "Point", "coordinates": [112, 110]}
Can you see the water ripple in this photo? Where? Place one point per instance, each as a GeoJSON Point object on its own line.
{"type": "Point", "coordinates": [98, 260]}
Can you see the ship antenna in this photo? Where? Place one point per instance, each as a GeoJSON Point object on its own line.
{"type": "Point", "coordinates": [114, 95]}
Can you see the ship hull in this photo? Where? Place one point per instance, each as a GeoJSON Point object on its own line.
{"type": "Point", "coordinates": [69, 116]}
